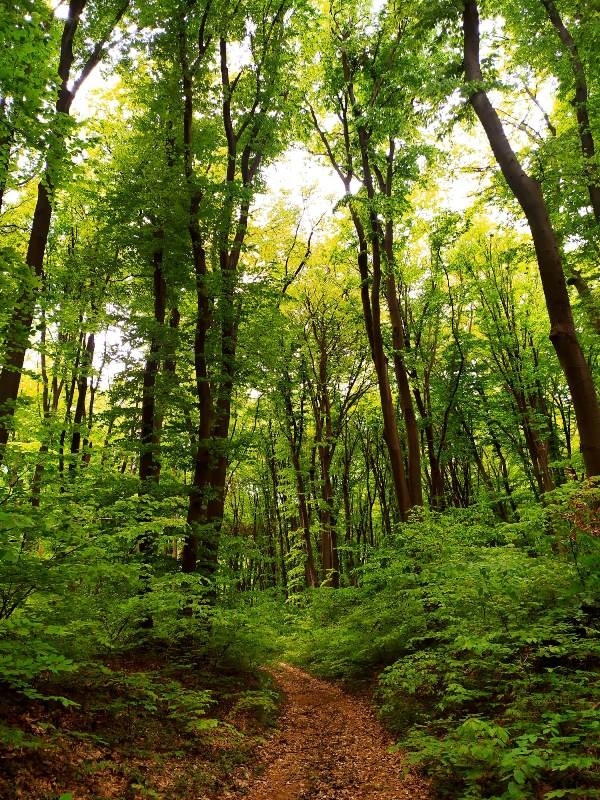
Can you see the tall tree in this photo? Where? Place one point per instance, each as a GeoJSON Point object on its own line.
{"type": "Point", "coordinates": [19, 327]}
{"type": "Point", "coordinates": [252, 107]}
{"type": "Point", "coordinates": [365, 87]}
{"type": "Point", "coordinates": [528, 192]}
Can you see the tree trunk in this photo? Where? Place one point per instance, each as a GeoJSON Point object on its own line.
{"type": "Point", "coordinates": [436, 478]}
{"type": "Point", "coordinates": [6, 141]}
{"type": "Point", "coordinates": [294, 439]}
{"type": "Point", "coordinates": [149, 468]}
{"type": "Point", "coordinates": [580, 103]}
{"type": "Point", "coordinates": [406, 403]}
{"type": "Point", "coordinates": [80, 407]}
{"type": "Point", "coordinates": [372, 315]}
{"type": "Point", "coordinates": [528, 192]}
{"type": "Point", "coordinates": [19, 326]}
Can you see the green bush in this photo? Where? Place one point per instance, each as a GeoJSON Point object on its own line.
{"type": "Point", "coordinates": [485, 638]}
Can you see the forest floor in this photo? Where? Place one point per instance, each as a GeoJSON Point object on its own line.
{"type": "Point", "coordinates": [329, 746]}
{"type": "Point", "coordinates": [141, 730]}
{"type": "Point", "coordinates": [147, 726]}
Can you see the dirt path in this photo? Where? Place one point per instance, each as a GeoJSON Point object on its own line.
{"type": "Point", "coordinates": [329, 747]}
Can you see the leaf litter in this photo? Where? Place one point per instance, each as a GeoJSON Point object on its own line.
{"type": "Point", "coordinates": [329, 746]}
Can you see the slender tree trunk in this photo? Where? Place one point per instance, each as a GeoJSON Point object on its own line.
{"type": "Point", "coordinates": [581, 105]}
{"type": "Point", "coordinates": [348, 515]}
{"type": "Point", "coordinates": [149, 468]}
{"type": "Point", "coordinates": [590, 304]}
{"type": "Point", "coordinates": [69, 397]}
{"type": "Point", "coordinates": [406, 403]}
{"type": "Point", "coordinates": [6, 141]}
{"type": "Point", "coordinates": [19, 326]}
{"type": "Point", "coordinates": [398, 337]}
{"type": "Point", "coordinates": [80, 406]}
{"type": "Point", "coordinates": [274, 476]}
{"type": "Point", "coordinates": [293, 434]}
{"type": "Point", "coordinates": [198, 509]}
{"type": "Point", "coordinates": [498, 505]}
{"type": "Point", "coordinates": [94, 384]}
{"type": "Point", "coordinates": [370, 286]}
{"type": "Point", "coordinates": [169, 371]}
{"type": "Point", "coordinates": [327, 518]}
{"type": "Point", "coordinates": [372, 315]}
{"type": "Point", "coordinates": [390, 425]}
{"type": "Point", "coordinates": [48, 410]}
{"type": "Point", "coordinates": [436, 478]}
{"type": "Point", "coordinates": [529, 194]}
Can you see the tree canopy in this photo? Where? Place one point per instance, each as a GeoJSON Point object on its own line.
{"type": "Point", "coordinates": [300, 308]}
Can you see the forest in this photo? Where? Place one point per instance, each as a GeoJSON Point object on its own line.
{"type": "Point", "coordinates": [299, 416]}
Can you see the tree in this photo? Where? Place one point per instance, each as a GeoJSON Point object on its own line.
{"type": "Point", "coordinates": [252, 105]}
{"type": "Point", "coordinates": [528, 192]}
{"type": "Point", "coordinates": [19, 327]}
{"type": "Point", "coordinates": [365, 86]}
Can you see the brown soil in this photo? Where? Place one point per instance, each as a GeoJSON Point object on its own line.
{"type": "Point", "coordinates": [329, 747]}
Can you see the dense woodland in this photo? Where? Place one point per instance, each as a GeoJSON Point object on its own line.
{"type": "Point", "coordinates": [300, 351]}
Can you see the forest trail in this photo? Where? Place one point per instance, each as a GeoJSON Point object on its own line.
{"type": "Point", "coordinates": [330, 746]}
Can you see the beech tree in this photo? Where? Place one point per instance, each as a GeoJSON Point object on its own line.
{"type": "Point", "coordinates": [529, 193]}
{"type": "Point", "coordinates": [365, 87]}
{"type": "Point", "coordinates": [71, 76]}
{"type": "Point", "coordinates": [251, 110]}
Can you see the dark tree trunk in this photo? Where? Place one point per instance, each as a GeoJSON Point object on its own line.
{"type": "Point", "coordinates": [149, 468]}
{"type": "Point", "coordinates": [69, 397]}
{"type": "Point", "coordinates": [390, 425]}
{"type": "Point", "coordinates": [293, 434]}
{"type": "Point", "coordinates": [580, 103]}
{"type": "Point", "coordinates": [6, 141]}
{"type": "Point", "coordinates": [274, 475]}
{"type": "Point", "coordinates": [590, 304]}
{"type": "Point", "coordinates": [79, 418]}
{"type": "Point", "coordinates": [19, 327]}
{"type": "Point", "coordinates": [398, 339]}
{"type": "Point", "coordinates": [406, 403]}
{"type": "Point", "coordinates": [372, 316]}
{"type": "Point", "coordinates": [329, 548]}
{"type": "Point", "coordinates": [207, 496]}
{"type": "Point", "coordinates": [348, 508]}
{"type": "Point", "coordinates": [436, 478]}
{"type": "Point", "coordinates": [529, 194]}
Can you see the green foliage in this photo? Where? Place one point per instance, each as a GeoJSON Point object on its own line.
{"type": "Point", "coordinates": [72, 585]}
{"type": "Point", "coordinates": [262, 703]}
{"type": "Point", "coordinates": [487, 645]}
{"type": "Point", "coordinates": [246, 629]}
{"type": "Point", "coordinates": [152, 693]}
{"type": "Point", "coordinates": [484, 635]}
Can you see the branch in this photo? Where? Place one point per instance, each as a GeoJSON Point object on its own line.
{"type": "Point", "coordinates": [345, 178]}
{"type": "Point", "coordinates": [96, 55]}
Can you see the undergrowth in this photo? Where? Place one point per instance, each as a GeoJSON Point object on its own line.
{"type": "Point", "coordinates": [482, 637]}
{"type": "Point", "coordinates": [117, 677]}
{"type": "Point", "coordinates": [485, 641]}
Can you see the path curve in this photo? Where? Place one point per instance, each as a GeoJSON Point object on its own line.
{"type": "Point", "coordinates": [330, 746]}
